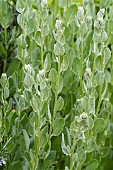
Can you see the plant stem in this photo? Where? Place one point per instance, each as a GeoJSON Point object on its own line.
{"type": "Point", "coordinates": [56, 96]}
{"type": "Point", "coordinates": [42, 52]}
{"type": "Point", "coordinates": [99, 101]}
{"type": "Point", "coordinates": [66, 11]}
{"type": "Point", "coordinates": [93, 68]}
{"type": "Point", "coordinates": [30, 47]}
{"type": "Point", "coordinates": [112, 66]}
{"type": "Point", "coordinates": [71, 156]}
{"type": "Point", "coordinates": [81, 64]}
{"type": "Point", "coordinates": [37, 142]}
{"type": "Point", "coordinates": [5, 60]}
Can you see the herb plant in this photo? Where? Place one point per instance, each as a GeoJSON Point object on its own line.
{"type": "Point", "coordinates": [56, 95]}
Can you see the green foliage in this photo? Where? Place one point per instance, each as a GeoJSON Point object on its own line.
{"type": "Point", "coordinates": [56, 85]}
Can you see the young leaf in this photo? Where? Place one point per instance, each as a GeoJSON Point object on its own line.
{"type": "Point", "coordinates": [37, 38]}
{"type": "Point", "coordinates": [92, 164]}
{"type": "Point", "coordinates": [59, 104]}
{"type": "Point", "coordinates": [53, 75]}
{"type": "Point", "coordinates": [30, 24]}
{"type": "Point", "coordinates": [90, 145]}
{"type": "Point", "coordinates": [59, 49]}
{"type": "Point", "coordinates": [47, 63]}
{"type": "Point", "coordinates": [65, 149]}
{"type": "Point", "coordinates": [29, 80]}
{"type": "Point", "coordinates": [26, 138]}
{"type": "Point", "coordinates": [58, 126]}
{"type": "Point", "coordinates": [20, 6]}
{"type": "Point", "coordinates": [35, 103]}
{"type": "Point", "coordinates": [99, 125]}
{"type": "Point", "coordinates": [65, 63]}
{"type": "Point", "coordinates": [81, 155]}
{"type": "Point", "coordinates": [99, 78]}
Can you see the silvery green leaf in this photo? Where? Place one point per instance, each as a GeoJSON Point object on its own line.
{"type": "Point", "coordinates": [6, 93]}
{"type": "Point", "coordinates": [30, 25]}
{"type": "Point", "coordinates": [96, 50]}
{"type": "Point", "coordinates": [72, 9]}
{"type": "Point", "coordinates": [68, 136]}
{"type": "Point", "coordinates": [58, 126]}
{"type": "Point", "coordinates": [90, 123]}
{"type": "Point", "coordinates": [92, 164]}
{"type": "Point", "coordinates": [30, 69]}
{"type": "Point", "coordinates": [81, 155]}
{"type": "Point", "coordinates": [42, 85]}
{"type": "Point", "coordinates": [90, 145]}
{"type": "Point", "coordinates": [59, 104]}
{"type": "Point", "coordinates": [37, 38]}
{"type": "Point", "coordinates": [4, 80]}
{"type": "Point", "coordinates": [83, 29]}
{"type": "Point", "coordinates": [47, 63]}
{"type": "Point", "coordinates": [59, 49]}
{"type": "Point", "coordinates": [22, 102]}
{"type": "Point", "coordinates": [19, 20]}
{"type": "Point", "coordinates": [21, 41]}
{"type": "Point", "coordinates": [45, 30]}
{"type": "Point", "coordinates": [66, 168]}
{"type": "Point", "coordinates": [76, 66]}
{"type": "Point", "coordinates": [99, 78]}
{"type": "Point", "coordinates": [91, 105]}
{"type": "Point", "coordinates": [80, 14]}
{"type": "Point", "coordinates": [20, 6]}
{"type": "Point", "coordinates": [36, 104]}
{"type": "Point", "coordinates": [43, 140]}
{"type": "Point", "coordinates": [53, 75]}
{"type": "Point", "coordinates": [99, 125]}
{"type": "Point", "coordinates": [97, 38]}
{"type": "Point", "coordinates": [45, 94]}
{"type": "Point", "coordinates": [29, 80]}
{"type": "Point", "coordinates": [84, 103]}
{"type": "Point", "coordinates": [65, 149]}
{"type": "Point", "coordinates": [104, 36]}
{"type": "Point", "coordinates": [65, 63]}
{"type": "Point", "coordinates": [107, 55]}
{"type": "Point", "coordinates": [60, 84]}
{"type": "Point", "coordinates": [10, 105]}
{"type": "Point", "coordinates": [26, 138]}
{"type": "Point", "coordinates": [44, 15]}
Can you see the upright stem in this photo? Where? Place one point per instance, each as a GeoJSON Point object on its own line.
{"type": "Point", "coordinates": [5, 60]}
{"type": "Point", "coordinates": [66, 11]}
{"type": "Point", "coordinates": [56, 96]}
{"type": "Point", "coordinates": [72, 152]}
{"type": "Point", "coordinates": [37, 141]}
{"type": "Point", "coordinates": [42, 52]}
{"type": "Point", "coordinates": [81, 64]}
{"type": "Point", "coordinates": [93, 68]}
{"type": "Point", "coordinates": [30, 47]}
{"type": "Point", "coordinates": [112, 66]}
{"type": "Point", "coordinates": [99, 101]}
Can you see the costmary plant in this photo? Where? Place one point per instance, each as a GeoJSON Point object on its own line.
{"type": "Point", "coordinates": [56, 105]}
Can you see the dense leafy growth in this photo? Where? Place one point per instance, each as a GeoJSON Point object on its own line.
{"type": "Point", "coordinates": [56, 85]}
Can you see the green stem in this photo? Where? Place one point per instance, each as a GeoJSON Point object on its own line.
{"type": "Point", "coordinates": [67, 11]}
{"type": "Point", "coordinates": [56, 96]}
{"type": "Point", "coordinates": [42, 53]}
{"type": "Point", "coordinates": [112, 66]}
{"type": "Point", "coordinates": [93, 68]}
{"type": "Point", "coordinates": [37, 142]}
{"type": "Point", "coordinates": [81, 65]}
{"type": "Point", "coordinates": [99, 101]}
{"type": "Point", "coordinates": [54, 113]}
{"type": "Point", "coordinates": [72, 153]}
{"type": "Point", "coordinates": [5, 60]}
{"type": "Point", "coordinates": [30, 47]}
